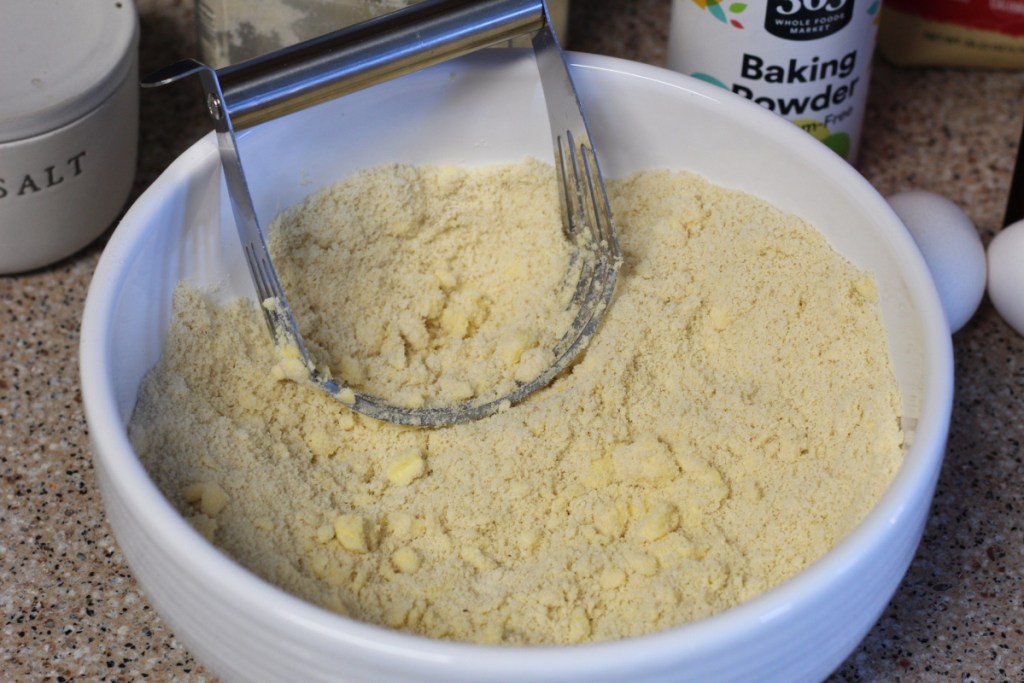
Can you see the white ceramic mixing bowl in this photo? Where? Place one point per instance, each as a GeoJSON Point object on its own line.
{"type": "Point", "coordinates": [485, 109]}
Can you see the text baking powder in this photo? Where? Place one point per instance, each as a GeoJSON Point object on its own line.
{"type": "Point", "coordinates": [806, 60]}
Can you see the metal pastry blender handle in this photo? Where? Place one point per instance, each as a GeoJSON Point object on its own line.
{"type": "Point", "coordinates": [247, 94]}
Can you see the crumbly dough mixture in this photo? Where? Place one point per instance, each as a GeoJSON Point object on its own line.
{"type": "Point", "coordinates": [430, 288]}
{"type": "Point", "coordinates": [735, 416]}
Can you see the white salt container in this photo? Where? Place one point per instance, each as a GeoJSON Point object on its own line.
{"type": "Point", "coordinates": [68, 124]}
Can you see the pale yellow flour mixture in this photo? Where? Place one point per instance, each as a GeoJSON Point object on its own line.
{"type": "Point", "coordinates": [733, 418]}
{"type": "Point", "coordinates": [430, 288]}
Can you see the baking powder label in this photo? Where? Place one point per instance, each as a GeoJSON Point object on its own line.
{"type": "Point", "coordinates": [806, 60]}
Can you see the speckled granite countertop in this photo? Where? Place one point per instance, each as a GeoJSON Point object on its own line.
{"type": "Point", "coordinates": [71, 610]}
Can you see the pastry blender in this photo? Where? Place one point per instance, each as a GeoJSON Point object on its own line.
{"type": "Point", "coordinates": [250, 93]}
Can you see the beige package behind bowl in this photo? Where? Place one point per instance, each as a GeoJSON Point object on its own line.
{"type": "Point", "coordinates": [733, 419]}
{"type": "Point", "coordinates": [231, 31]}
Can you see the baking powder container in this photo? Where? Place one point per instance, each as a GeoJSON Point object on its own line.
{"type": "Point", "coordinates": [68, 124]}
{"type": "Point", "coordinates": [808, 61]}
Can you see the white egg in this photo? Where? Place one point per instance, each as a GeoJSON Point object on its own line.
{"type": "Point", "coordinates": [1006, 274]}
{"type": "Point", "coordinates": [951, 247]}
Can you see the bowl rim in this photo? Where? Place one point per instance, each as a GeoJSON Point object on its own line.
{"type": "Point", "coordinates": [914, 480]}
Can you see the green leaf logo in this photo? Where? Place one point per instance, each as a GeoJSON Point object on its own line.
{"type": "Point", "coordinates": [708, 78]}
{"type": "Point", "coordinates": [715, 9]}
